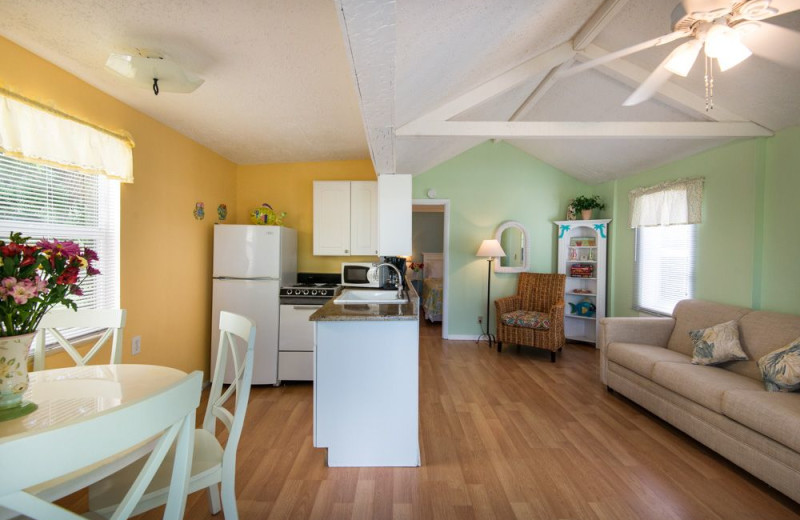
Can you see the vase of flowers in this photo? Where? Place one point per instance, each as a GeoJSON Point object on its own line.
{"type": "Point", "coordinates": [33, 279]}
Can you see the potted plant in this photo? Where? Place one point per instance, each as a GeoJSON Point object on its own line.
{"type": "Point", "coordinates": [33, 279]}
{"type": "Point", "coordinates": [586, 204]}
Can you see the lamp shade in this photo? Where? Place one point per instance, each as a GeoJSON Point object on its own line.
{"type": "Point", "coordinates": [490, 248]}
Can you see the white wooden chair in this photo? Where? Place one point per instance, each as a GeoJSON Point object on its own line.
{"type": "Point", "coordinates": [84, 442]}
{"type": "Point", "coordinates": [113, 320]}
{"type": "Point", "coordinates": [212, 463]}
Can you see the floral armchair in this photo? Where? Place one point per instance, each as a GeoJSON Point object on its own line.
{"type": "Point", "coordinates": [535, 315]}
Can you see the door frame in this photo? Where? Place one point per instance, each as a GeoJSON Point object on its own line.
{"type": "Point", "coordinates": [445, 258]}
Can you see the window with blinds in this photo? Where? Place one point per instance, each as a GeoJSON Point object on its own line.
{"type": "Point", "coordinates": [663, 267]}
{"type": "Point", "coordinates": [46, 202]}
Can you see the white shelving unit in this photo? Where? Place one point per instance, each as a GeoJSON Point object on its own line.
{"type": "Point", "coordinates": [582, 256]}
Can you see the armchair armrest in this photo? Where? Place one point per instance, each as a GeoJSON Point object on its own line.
{"type": "Point", "coordinates": [647, 331]}
{"type": "Point", "coordinates": [557, 312]}
{"type": "Point", "coordinates": [507, 304]}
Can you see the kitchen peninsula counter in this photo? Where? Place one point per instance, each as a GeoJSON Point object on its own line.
{"type": "Point", "coordinates": [366, 383]}
{"type": "Point", "coordinates": [370, 311]}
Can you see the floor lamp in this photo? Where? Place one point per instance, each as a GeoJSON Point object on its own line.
{"type": "Point", "coordinates": [489, 249]}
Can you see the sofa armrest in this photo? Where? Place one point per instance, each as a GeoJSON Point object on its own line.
{"type": "Point", "coordinates": [507, 304]}
{"type": "Point", "coordinates": [647, 331]}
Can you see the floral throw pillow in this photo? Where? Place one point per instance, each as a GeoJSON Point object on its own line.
{"type": "Point", "coordinates": [780, 369]}
{"type": "Point", "coordinates": [717, 344]}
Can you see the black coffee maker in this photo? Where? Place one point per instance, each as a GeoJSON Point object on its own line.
{"type": "Point", "coordinates": [400, 263]}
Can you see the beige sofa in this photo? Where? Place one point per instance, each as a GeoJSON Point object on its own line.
{"type": "Point", "coordinates": [648, 360]}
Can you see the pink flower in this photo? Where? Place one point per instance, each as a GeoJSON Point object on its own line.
{"type": "Point", "coordinates": [56, 247]}
{"type": "Point", "coordinates": [21, 293]}
{"type": "Point", "coordinates": [6, 285]}
{"type": "Point", "coordinates": [39, 284]}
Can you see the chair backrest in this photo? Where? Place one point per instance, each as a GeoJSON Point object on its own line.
{"type": "Point", "coordinates": [112, 320]}
{"type": "Point", "coordinates": [539, 291]}
{"type": "Point", "coordinates": [235, 330]}
{"type": "Point", "coordinates": [56, 452]}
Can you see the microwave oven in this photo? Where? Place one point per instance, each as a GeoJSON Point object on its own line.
{"type": "Point", "coordinates": [360, 274]}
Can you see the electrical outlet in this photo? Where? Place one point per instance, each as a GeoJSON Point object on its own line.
{"type": "Point", "coordinates": [480, 319]}
{"type": "Point", "coordinates": [136, 345]}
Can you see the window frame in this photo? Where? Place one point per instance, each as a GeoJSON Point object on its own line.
{"type": "Point", "coordinates": [102, 235]}
{"type": "Point", "coordinates": [645, 305]}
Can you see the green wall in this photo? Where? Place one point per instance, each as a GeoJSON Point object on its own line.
{"type": "Point", "coordinates": [747, 246]}
{"type": "Point", "coordinates": [486, 186]}
{"type": "Point", "coordinates": [744, 254]}
{"type": "Point", "coordinates": [780, 262]}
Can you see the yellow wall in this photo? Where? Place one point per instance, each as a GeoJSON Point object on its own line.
{"type": "Point", "coordinates": [165, 253]}
{"type": "Point", "coordinates": [288, 187]}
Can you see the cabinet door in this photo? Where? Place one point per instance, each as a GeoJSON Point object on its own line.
{"type": "Point", "coordinates": [363, 218]}
{"type": "Point", "coordinates": [394, 215]}
{"type": "Point", "coordinates": [332, 218]}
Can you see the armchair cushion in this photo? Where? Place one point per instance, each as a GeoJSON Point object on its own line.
{"type": "Point", "coordinates": [527, 319]}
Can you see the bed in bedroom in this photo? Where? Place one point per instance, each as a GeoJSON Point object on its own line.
{"type": "Point", "coordinates": [432, 294]}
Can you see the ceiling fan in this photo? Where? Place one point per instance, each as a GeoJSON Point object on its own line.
{"type": "Point", "coordinates": [726, 30]}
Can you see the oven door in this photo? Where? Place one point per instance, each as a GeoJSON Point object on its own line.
{"type": "Point", "coordinates": [296, 342]}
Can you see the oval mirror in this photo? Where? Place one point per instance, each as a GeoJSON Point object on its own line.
{"type": "Point", "coordinates": [513, 238]}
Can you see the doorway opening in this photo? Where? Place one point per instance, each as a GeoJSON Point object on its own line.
{"type": "Point", "coordinates": [430, 239]}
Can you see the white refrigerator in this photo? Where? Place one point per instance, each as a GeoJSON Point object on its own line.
{"type": "Point", "coordinates": [250, 265]}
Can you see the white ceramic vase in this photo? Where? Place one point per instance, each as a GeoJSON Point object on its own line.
{"type": "Point", "coordinates": [14, 369]}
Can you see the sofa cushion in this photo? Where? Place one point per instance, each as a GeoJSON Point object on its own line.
{"type": "Point", "coordinates": [761, 332]}
{"type": "Point", "coordinates": [642, 358]}
{"type": "Point", "coordinates": [776, 415]}
{"type": "Point", "coordinates": [698, 314]}
{"type": "Point", "coordinates": [780, 369]}
{"type": "Point", "coordinates": [705, 385]}
{"type": "Point", "coordinates": [527, 319]}
{"type": "Point", "coordinates": [717, 344]}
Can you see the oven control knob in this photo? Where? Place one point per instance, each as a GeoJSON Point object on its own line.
{"type": "Point", "coordinates": [289, 291]}
{"type": "Point", "coordinates": [313, 292]}
{"type": "Point", "coordinates": [305, 291]}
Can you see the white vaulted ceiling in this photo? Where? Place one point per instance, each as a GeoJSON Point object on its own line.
{"type": "Point", "coordinates": [411, 83]}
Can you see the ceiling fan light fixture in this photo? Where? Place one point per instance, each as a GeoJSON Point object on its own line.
{"type": "Point", "coordinates": [682, 58]}
{"type": "Point", "coordinates": [151, 70]}
{"type": "Point", "coordinates": [757, 10]}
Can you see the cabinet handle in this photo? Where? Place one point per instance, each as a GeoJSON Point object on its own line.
{"type": "Point", "coordinates": [346, 250]}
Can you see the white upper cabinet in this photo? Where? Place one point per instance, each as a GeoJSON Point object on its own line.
{"type": "Point", "coordinates": [394, 215]}
{"type": "Point", "coordinates": [345, 218]}
{"type": "Point", "coordinates": [363, 218]}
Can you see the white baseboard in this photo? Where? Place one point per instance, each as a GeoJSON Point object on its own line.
{"type": "Point", "coordinates": [462, 337]}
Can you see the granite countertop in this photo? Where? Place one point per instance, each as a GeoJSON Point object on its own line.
{"type": "Point", "coordinates": [370, 311]}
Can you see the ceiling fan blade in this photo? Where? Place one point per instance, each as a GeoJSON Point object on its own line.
{"type": "Point", "coordinates": [661, 40]}
{"type": "Point", "coordinates": [705, 6]}
{"type": "Point", "coordinates": [785, 6]}
{"type": "Point", "coordinates": [649, 86]}
{"type": "Point", "coordinates": [775, 43]}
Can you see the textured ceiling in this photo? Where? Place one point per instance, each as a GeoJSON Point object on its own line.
{"type": "Point", "coordinates": [289, 81]}
{"type": "Point", "coordinates": [277, 88]}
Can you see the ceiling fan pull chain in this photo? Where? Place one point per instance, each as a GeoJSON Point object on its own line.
{"type": "Point", "coordinates": [709, 80]}
{"type": "Point", "coordinates": [155, 86]}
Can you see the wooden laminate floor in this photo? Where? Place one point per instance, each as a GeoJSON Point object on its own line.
{"type": "Point", "coordinates": [503, 436]}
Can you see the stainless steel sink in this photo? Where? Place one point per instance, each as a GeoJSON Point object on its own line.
{"type": "Point", "coordinates": [356, 296]}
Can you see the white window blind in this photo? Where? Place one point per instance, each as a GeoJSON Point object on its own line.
{"type": "Point", "coordinates": [663, 267]}
{"type": "Point", "coordinates": [46, 202]}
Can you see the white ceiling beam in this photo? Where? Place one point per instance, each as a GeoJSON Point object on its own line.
{"type": "Point", "coordinates": [539, 92]}
{"type": "Point", "coordinates": [671, 94]}
{"type": "Point", "coordinates": [370, 41]}
{"type": "Point", "coordinates": [586, 35]}
{"type": "Point", "coordinates": [583, 130]}
{"type": "Point", "coordinates": [596, 23]}
{"type": "Point", "coordinates": [502, 83]}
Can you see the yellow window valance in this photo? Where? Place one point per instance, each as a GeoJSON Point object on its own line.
{"type": "Point", "coordinates": [31, 130]}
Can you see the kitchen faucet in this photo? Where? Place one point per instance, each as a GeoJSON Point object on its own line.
{"type": "Point", "coordinates": [399, 278]}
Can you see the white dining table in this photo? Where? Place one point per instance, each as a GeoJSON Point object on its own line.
{"type": "Point", "coordinates": [67, 394]}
